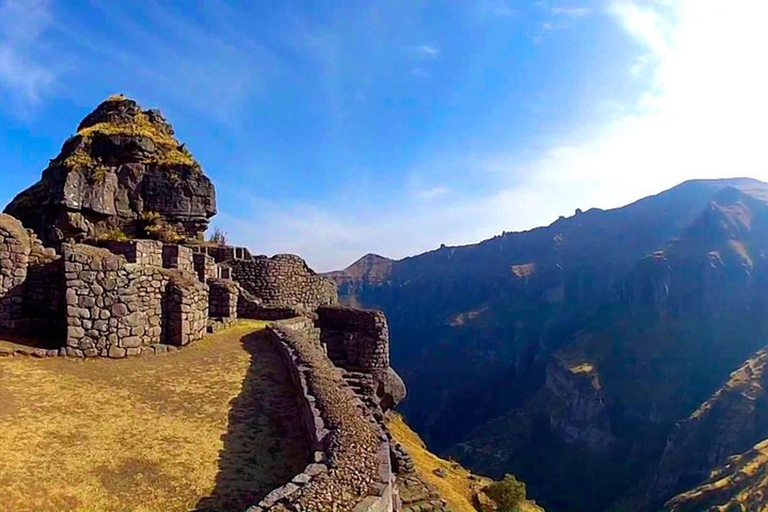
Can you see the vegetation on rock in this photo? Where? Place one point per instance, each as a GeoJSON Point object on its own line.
{"type": "Point", "coordinates": [460, 488]}
{"type": "Point", "coordinates": [509, 494]}
{"type": "Point", "coordinates": [123, 161]}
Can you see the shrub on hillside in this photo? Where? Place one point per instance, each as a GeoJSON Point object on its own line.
{"type": "Point", "coordinates": [508, 494]}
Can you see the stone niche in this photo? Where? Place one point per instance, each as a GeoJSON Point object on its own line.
{"type": "Point", "coordinates": [31, 293]}
{"type": "Point", "coordinates": [178, 256]}
{"type": "Point", "coordinates": [204, 266]}
{"type": "Point", "coordinates": [117, 309]}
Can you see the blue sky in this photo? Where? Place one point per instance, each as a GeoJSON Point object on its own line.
{"type": "Point", "coordinates": [333, 129]}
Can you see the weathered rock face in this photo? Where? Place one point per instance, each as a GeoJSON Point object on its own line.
{"type": "Point", "coordinates": [122, 174]}
{"type": "Point", "coordinates": [737, 485]}
{"type": "Point", "coordinates": [733, 420]}
{"type": "Point", "coordinates": [577, 411]}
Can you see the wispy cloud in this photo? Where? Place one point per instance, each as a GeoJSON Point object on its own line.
{"type": "Point", "coordinates": [432, 193]}
{"type": "Point", "coordinates": [701, 114]}
{"type": "Point", "coordinates": [576, 12]}
{"type": "Point", "coordinates": [425, 51]}
{"type": "Point", "coordinates": [22, 23]}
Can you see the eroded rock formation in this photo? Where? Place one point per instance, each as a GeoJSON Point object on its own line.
{"type": "Point", "coordinates": [123, 174]}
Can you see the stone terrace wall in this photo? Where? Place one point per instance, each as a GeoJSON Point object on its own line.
{"type": "Point", "coordinates": [357, 339]}
{"type": "Point", "coordinates": [31, 292]}
{"type": "Point", "coordinates": [351, 467]}
{"type": "Point", "coordinates": [14, 259]}
{"type": "Point", "coordinates": [283, 280]}
{"type": "Point", "coordinates": [119, 309]}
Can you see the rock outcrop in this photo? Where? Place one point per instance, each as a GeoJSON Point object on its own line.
{"type": "Point", "coordinates": [736, 486]}
{"type": "Point", "coordinates": [123, 174]}
{"type": "Point", "coordinates": [733, 420]}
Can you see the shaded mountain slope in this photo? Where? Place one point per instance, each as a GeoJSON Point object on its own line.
{"type": "Point", "coordinates": [584, 341]}
{"type": "Point", "coordinates": [739, 485]}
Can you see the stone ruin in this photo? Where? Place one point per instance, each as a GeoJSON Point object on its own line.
{"type": "Point", "coordinates": [91, 296]}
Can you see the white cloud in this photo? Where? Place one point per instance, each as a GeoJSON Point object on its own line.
{"type": "Point", "coordinates": [432, 193]}
{"type": "Point", "coordinates": [22, 22]}
{"type": "Point", "coordinates": [424, 51]}
{"type": "Point", "coordinates": [575, 12]}
{"type": "Point", "coordinates": [702, 115]}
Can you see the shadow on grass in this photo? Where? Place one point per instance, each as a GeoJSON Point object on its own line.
{"type": "Point", "coordinates": [264, 446]}
{"type": "Point", "coordinates": [13, 341]}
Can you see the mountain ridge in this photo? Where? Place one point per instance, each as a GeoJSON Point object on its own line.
{"type": "Point", "coordinates": [645, 296]}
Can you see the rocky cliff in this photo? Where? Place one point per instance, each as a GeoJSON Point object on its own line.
{"type": "Point", "coordinates": [728, 423]}
{"type": "Point", "coordinates": [736, 486]}
{"type": "Point", "coordinates": [657, 302]}
{"type": "Point", "coordinates": [123, 174]}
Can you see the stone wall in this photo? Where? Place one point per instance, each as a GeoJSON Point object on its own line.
{"type": "Point", "coordinates": [143, 252]}
{"type": "Point", "coordinates": [223, 298]}
{"type": "Point", "coordinates": [221, 253]}
{"type": "Point", "coordinates": [186, 309]}
{"type": "Point", "coordinates": [205, 267]}
{"type": "Point", "coordinates": [117, 309]}
{"type": "Point", "coordinates": [357, 339]}
{"type": "Point", "coordinates": [350, 468]}
{"type": "Point", "coordinates": [283, 280]}
{"type": "Point", "coordinates": [14, 259]}
{"type": "Point", "coordinates": [178, 256]}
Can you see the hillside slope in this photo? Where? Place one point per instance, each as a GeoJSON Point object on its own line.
{"type": "Point", "coordinates": [584, 341]}
{"type": "Point", "coordinates": [459, 487]}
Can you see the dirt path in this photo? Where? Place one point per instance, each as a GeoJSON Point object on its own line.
{"type": "Point", "coordinates": [211, 427]}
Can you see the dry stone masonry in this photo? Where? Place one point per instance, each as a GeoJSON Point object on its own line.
{"type": "Point", "coordinates": [284, 280]}
{"type": "Point", "coordinates": [105, 289]}
{"type": "Point", "coordinates": [116, 309]}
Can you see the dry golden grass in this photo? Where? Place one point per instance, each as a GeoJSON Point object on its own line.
{"type": "Point", "coordinates": [147, 434]}
{"type": "Point", "coordinates": [459, 486]}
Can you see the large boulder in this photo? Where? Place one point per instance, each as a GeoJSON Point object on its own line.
{"type": "Point", "coordinates": [123, 174]}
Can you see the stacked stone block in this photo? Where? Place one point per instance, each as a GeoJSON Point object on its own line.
{"type": "Point", "coordinates": [14, 259]}
{"type": "Point", "coordinates": [205, 267]}
{"type": "Point", "coordinates": [143, 252]}
{"type": "Point", "coordinates": [178, 257]}
{"type": "Point", "coordinates": [113, 308]}
{"type": "Point", "coordinates": [186, 310]}
{"type": "Point", "coordinates": [283, 280]}
{"type": "Point", "coordinates": [119, 309]}
{"type": "Point", "coordinates": [223, 298]}
{"type": "Point", "coordinates": [356, 339]}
